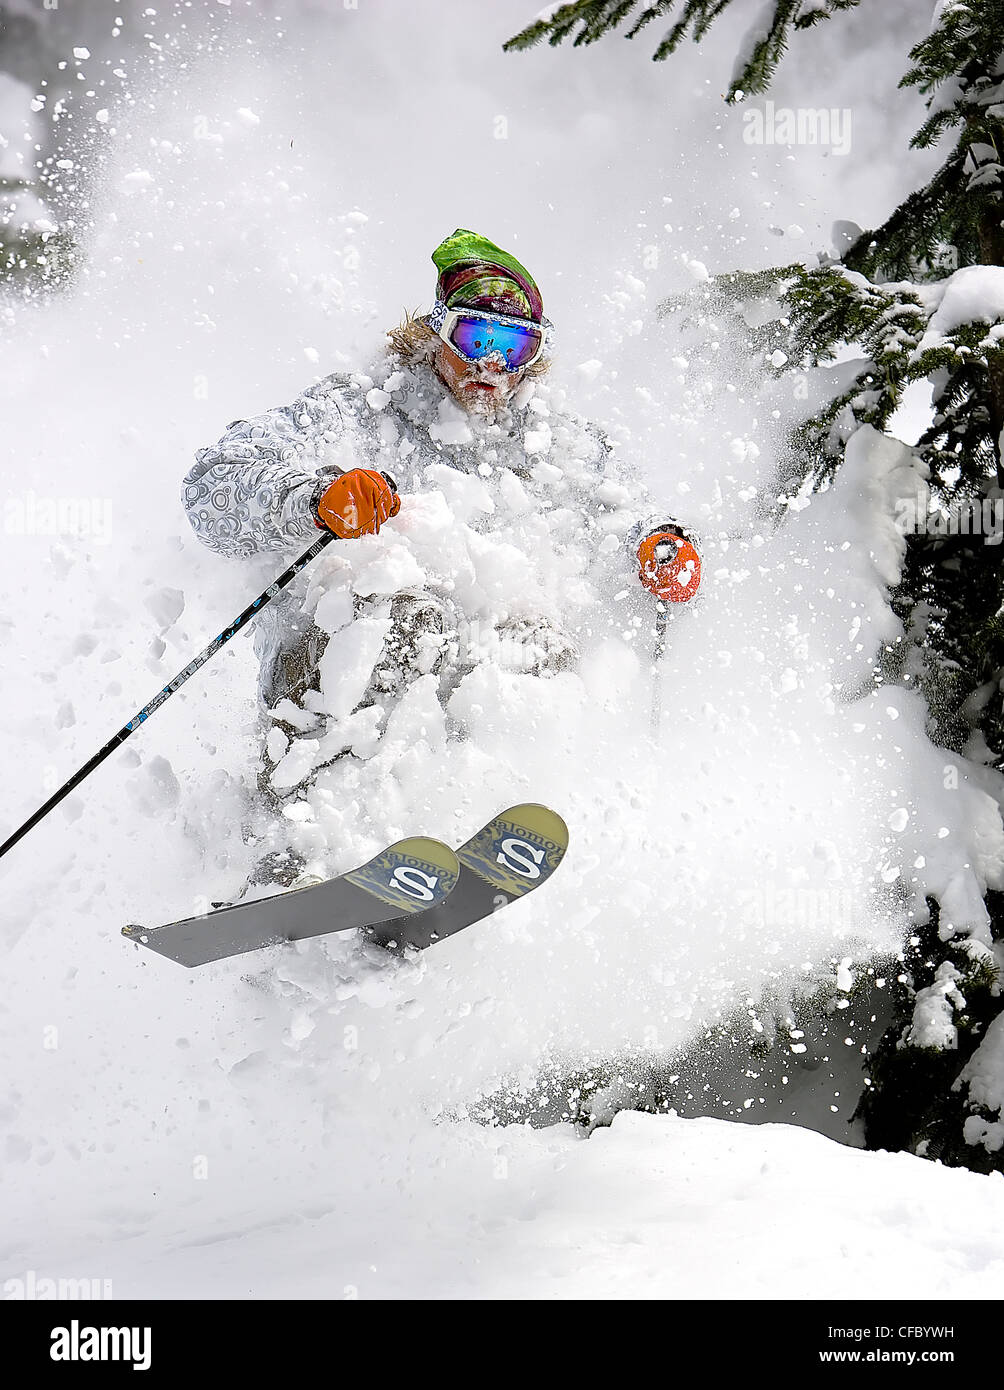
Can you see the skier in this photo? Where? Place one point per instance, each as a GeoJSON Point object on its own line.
{"type": "Point", "coordinates": [515, 527]}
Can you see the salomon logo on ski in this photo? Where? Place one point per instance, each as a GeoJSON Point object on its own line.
{"type": "Point", "coordinates": [415, 882]}
{"type": "Point", "coordinates": [520, 857]}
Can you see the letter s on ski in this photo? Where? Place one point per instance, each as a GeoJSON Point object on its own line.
{"type": "Point", "coordinates": [415, 883]}
{"type": "Point", "coordinates": [520, 857]}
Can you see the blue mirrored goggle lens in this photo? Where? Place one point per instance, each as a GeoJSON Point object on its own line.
{"type": "Point", "coordinates": [477, 338]}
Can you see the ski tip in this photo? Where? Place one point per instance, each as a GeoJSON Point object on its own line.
{"type": "Point", "coordinates": [541, 820]}
{"type": "Point", "coordinates": [518, 849]}
{"type": "Point", "coordinates": [411, 875]}
{"type": "Point", "coordinates": [422, 847]}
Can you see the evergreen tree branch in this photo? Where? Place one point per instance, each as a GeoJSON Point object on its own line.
{"type": "Point", "coordinates": [587, 21]}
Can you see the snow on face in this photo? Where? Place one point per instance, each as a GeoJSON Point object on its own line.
{"type": "Point", "coordinates": [482, 388]}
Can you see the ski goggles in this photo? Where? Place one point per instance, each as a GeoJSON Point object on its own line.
{"type": "Point", "coordinates": [477, 334]}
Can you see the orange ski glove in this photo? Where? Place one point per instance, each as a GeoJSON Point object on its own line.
{"type": "Point", "coordinates": [357, 503]}
{"type": "Point", "coordinates": [670, 566]}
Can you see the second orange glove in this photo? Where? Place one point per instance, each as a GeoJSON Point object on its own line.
{"type": "Point", "coordinates": [670, 567]}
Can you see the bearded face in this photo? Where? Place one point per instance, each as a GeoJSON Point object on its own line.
{"type": "Point", "coordinates": [482, 388]}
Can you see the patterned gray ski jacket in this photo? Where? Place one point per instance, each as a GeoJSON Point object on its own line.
{"type": "Point", "coordinates": [541, 470]}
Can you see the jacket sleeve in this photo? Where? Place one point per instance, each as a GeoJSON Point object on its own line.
{"type": "Point", "coordinates": [252, 491]}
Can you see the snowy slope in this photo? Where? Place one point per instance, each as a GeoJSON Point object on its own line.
{"type": "Point", "coordinates": [651, 1208]}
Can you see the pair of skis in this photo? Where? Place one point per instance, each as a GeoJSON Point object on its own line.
{"type": "Point", "coordinates": [411, 895]}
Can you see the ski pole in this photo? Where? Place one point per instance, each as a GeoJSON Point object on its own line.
{"type": "Point", "coordinates": [144, 714]}
{"type": "Point", "coordinates": [661, 628]}
{"type": "Point", "coordinates": [671, 572]}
